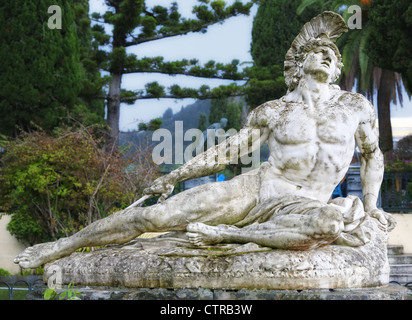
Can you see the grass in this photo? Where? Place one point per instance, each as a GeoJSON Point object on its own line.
{"type": "Point", "coordinates": [17, 294]}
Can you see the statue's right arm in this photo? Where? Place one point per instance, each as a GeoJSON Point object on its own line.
{"type": "Point", "coordinates": [215, 159]}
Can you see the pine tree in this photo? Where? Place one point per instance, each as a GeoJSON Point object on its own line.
{"type": "Point", "coordinates": [202, 122]}
{"type": "Point", "coordinates": [229, 108]}
{"type": "Point", "coordinates": [88, 109]}
{"type": "Point", "coordinates": [275, 26]}
{"type": "Point", "coordinates": [389, 45]}
{"type": "Point", "coordinates": [46, 73]}
{"type": "Point", "coordinates": [134, 24]}
{"type": "Point", "coordinates": [40, 70]}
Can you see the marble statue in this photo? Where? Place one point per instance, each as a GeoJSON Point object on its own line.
{"type": "Point", "coordinates": [285, 203]}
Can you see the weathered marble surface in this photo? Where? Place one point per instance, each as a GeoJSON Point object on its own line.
{"type": "Point", "coordinates": [171, 262]}
{"type": "Point", "coordinates": [283, 204]}
{"type": "Point", "coordinates": [271, 228]}
{"type": "Point", "coordinates": [387, 292]}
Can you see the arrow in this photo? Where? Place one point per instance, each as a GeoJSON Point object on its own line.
{"type": "Point", "coordinates": [140, 201]}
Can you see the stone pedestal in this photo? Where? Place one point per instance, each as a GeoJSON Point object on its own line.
{"type": "Point", "coordinates": [171, 263]}
{"type": "Point", "coordinates": [388, 292]}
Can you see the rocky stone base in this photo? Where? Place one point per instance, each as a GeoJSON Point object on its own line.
{"type": "Point", "coordinates": [388, 292]}
{"type": "Point", "coordinates": [170, 264]}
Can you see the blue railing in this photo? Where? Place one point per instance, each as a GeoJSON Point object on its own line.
{"type": "Point", "coordinates": [10, 283]}
{"type": "Point", "coordinates": [396, 192]}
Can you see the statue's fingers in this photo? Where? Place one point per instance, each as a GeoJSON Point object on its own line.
{"type": "Point", "coordinates": [148, 191]}
{"type": "Point", "coordinates": [152, 190]}
{"type": "Point", "coordinates": [391, 223]}
{"type": "Point", "coordinates": [377, 214]}
{"type": "Point", "coordinates": [162, 198]}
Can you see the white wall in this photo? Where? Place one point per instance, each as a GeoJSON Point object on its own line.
{"type": "Point", "coordinates": [9, 247]}
{"type": "Point", "coordinates": [402, 234]}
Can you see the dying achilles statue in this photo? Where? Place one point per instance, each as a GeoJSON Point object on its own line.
{"type": "Point", "coordinates": [285, 203]}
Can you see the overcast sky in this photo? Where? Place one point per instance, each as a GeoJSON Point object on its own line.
{"type": "Point", "coordinates": [222, 43]}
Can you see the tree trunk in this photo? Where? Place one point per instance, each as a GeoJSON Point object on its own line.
{"type": "Point", "coordinates": [384, 111]}
{"type": "Point", "coordinates": [113, 110]}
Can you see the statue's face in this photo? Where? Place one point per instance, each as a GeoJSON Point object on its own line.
{"type": "Point", "coordinates": [321, 63]}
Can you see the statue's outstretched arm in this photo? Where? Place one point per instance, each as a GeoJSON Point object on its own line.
{"type": "Point", "coordinates": [212, 160]}
{"type": "Point", "coordinates": [372, 168]}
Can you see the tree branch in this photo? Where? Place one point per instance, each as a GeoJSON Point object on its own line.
{"type": "Point", "coordinates": [187, 73]}
{"type": "Point", "coordinates": [98, 21]}
{"type": "Point", "coordinates": [172, 34]}
{"type": "Point", "coordinates": [211, 69]}
{"type": "Point", "coordinates": [205, 18]}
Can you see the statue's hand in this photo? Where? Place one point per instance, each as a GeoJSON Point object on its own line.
{"type": "Point", "coordinates": [162, 187]}
{"type": "Point", "coordinates": [387, 221]}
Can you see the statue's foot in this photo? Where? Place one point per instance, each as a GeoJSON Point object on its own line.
{"type": "Point", "coordinates": [33, 257]}
{"type": "Point", "coordinates": [200, 234]}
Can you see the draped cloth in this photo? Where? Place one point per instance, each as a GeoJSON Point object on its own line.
{"type": "Point", "coordinates": [357, 225]}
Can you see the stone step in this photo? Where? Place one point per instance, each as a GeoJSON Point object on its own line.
{"type": "Point", "coordinates": [401, 269]}
{"type": "Point", "coordinates": [400, 259]}
{"type": "Point", "coordinates": [401, 278]}
{"type": "Point", "coordinates": [395, 249]}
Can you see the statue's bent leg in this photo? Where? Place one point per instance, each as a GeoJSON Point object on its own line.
{"type": "Point", "coordinates": [214, 203]}
{"type": "Point", "coordinates": [224, 202]}
{"type": "Point", "coordinates": [114, 229]}
{"type": "Point", "coordinates": [312, 229]}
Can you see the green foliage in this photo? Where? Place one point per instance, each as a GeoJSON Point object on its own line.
{"type": "Point", "coordinates": [55, 185]}
{"type": "Point", "coordinates": [227, 108]}
{"type": "Point", "coordinates": [142, 126]}
{"type": "Point", "coordinates": [68, 294]}
{"type": "Point", "coordinates": [202, 122]}
{"type": "Point", "coordinates": [394, 163]}
{"type": "Point", "coordinates": [169, 22]}
{"type": "Point", "coordinates": [154, 124]}
{"type": "Point", "coordinates": [184, 67]}
{"type": "Point", "coordinates": [40, 69]}
{"type": "Point", "coordinates": [409, 187]}
{"type": "Point", "coordinates": [25, 227]}
{"type": "Point", "coordinates": [265, 84]}
{"type": "Point", "coordinates": [134, 23]}
{"type": "Point", "coordinates": [234, 115]}
{"type": "Point", "coordinates": [324, 5]}
{"type": "Point", "coordinates": [390, 45]}
{"type": "Point", "coordinates": [404, 148]}
{"type": "Point", "coordinates": [154, 90]}
{"type": "Point", "coordinates": [275, 26]}
{"type": "Point", "coordinates": [4, 273]}
{"type": "Point", "coordinates": [42, 72]}
{"type": "Point", "coordinates": [118, 59]}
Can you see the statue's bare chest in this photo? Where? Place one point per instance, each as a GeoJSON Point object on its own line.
{"type": "Point", "coordinates": [297, 123]}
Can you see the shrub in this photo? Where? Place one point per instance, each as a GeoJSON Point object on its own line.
{"type": "Point", "coordinates": [404, 148]}
{"type": "Point", "coordinates": [56, 185]}
{"type": "Point", "coordinates": [393, 163]}
{"type": "Point", "coordinates": [4, 273]}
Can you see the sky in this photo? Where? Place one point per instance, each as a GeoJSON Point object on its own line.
{"type": "Point", "coordinates": [221, 43]}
